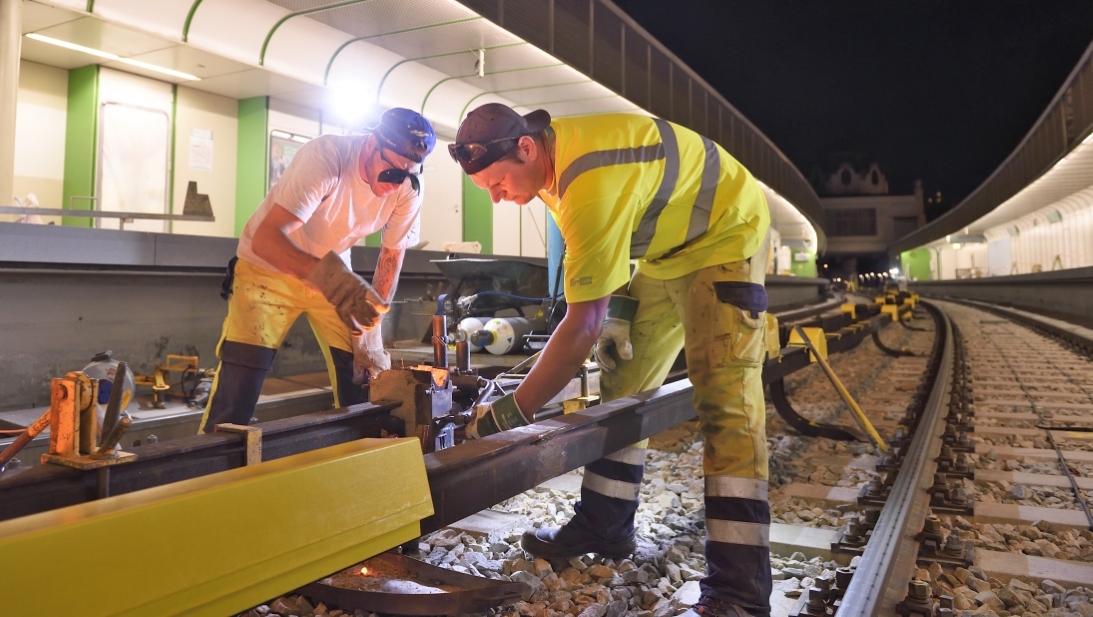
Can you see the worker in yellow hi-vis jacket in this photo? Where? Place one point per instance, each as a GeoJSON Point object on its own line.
{"type": "Point", "coordinates": [629, 187]}
{"type": "Point", "coordinates": [293, 259]}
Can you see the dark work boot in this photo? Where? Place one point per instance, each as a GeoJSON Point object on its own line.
{"type": "Point", "coordinates": [712, 607]}
{"type": "Point", "coordinates": [603, 520]}
{"type": "Point", "coordinates": [568, 541]}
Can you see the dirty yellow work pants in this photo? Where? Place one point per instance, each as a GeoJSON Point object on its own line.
{"type": "Point", "coordinates": [725, 350]}
{"type": "Point", "coordinates": [261, 310]}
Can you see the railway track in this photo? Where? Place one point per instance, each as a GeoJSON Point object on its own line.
{"type": "Point", "coordinates": [1021, 542]}
{"type": "Point", "coordinates": [989, 464]}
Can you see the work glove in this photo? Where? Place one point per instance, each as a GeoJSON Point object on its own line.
{"type": "Point", "coordinates": [616, 332]}
{"type": "Point", "coordinates": [357, 304]}
{"type": "Point", "coordinates": [500, 415]}
{"type": "Point", "coordinates": [369, 356]}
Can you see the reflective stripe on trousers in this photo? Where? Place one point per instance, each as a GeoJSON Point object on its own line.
{"type": "Point", "coordinates": [609, 494]}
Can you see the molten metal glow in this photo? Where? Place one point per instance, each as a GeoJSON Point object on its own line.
{"type": "Point", "coordinates": [364, 570]}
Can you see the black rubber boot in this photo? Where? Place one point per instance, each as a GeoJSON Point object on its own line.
{"type": "Point", "coordinates": [566, 542]}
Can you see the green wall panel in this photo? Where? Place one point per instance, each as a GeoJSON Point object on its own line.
{"type": "Point", "coordinates": [916, 264]}
{"type": "Point", "coordinates": [477, 215]}
{"type": "Point", "coordinates": [373, 239]}
{"type": "Point", "coordinates": [253, 159]}
{"type": "Point", "coordinates": [805, 267]}
{"type": "Point", "coordinates": [81, 142]}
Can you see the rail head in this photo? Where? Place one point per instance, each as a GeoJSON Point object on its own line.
{"type": "Point", "coordinates": [876, 588]}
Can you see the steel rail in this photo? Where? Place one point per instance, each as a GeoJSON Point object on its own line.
{"type": "Point", "coordinates": [1019, 316]}
{"type": "Point", "coordinates": [479, 474]}
{"type": "Point", "coordinates": [46, 487]}
{"type": "Point", "coordinates": [512, 459]}
{"type": "Point", "coordinates": [887, 564]}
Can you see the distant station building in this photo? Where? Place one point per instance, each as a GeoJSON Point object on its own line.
{"type": "Point", "coordinates": [862, 217]}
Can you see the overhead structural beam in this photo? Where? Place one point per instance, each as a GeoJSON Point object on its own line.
{"type": "Point", "coordinates": [394, 66]}
{"type": "Point", "coordinates": [315, 9]}
{"type": "Point", "coordinates": [481, 94]}
{"type": "Point", "coordinates": [577, 100]}
{"type": "Point", "coordinates": [427, 94]}
{"type": "Point", "coordinates": [326, 74]}
{"type": "Point", "coordinates": [189, 20]}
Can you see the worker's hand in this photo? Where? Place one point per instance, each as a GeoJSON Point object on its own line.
{"type": "Point", "coordinates": [500, 415]}
{"type": "Point", "coordinates": [358, 305]}
{"type": "Point", "coordinates": [616, 332]}
{"type": "Point", "coordinates": [369, 356]}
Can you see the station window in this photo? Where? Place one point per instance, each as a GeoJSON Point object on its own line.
{"type": "Point", "coordinates": [852, 222]}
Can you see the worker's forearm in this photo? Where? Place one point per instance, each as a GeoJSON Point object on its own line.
{"type": "Point", "coordinates": [561, 359]}
{"type": "Point", "coordinates": [385, 280]}
{"type": "Point", "coordinates": [279, 251]}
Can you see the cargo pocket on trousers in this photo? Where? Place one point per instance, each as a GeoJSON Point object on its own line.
{"type": "Point", "coordinates": [743, 315]}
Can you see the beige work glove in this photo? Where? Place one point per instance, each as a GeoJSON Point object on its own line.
{"type": "Point", "coordinates": [369, 356]}
{"type": "Point", "coordinates": [357, 304]}
{"type": "Point", "coordinates": [616, 332]}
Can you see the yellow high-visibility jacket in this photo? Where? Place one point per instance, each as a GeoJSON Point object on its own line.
{"type": "Point", "coordinates": [633, 187]}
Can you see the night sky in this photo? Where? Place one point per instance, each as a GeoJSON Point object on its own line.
{"type": "Point", "coordinates": [939, 91]}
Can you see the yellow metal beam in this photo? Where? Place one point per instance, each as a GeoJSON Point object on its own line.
{"type": "Point", "coordinates": [218, 544]}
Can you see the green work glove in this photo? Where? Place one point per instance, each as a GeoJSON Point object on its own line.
{"type": "Point", "coordinates": [357, 304]}
{"type": "Point", "coordinates": [500, 415]}
{"type": "Point", "coordinates": [616, 331]}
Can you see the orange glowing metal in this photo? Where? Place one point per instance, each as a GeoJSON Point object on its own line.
{"type": "Point", "coordinates": [439, 375]}
{"type": "Point", "coordinates": [364, 570]}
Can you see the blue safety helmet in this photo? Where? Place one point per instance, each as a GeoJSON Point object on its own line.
{"type": "Point", "coordinates": [406, 132]}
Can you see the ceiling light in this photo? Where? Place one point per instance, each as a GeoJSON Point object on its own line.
{"type": "Point", "coordinates": [110, 56]}
{"type": "Point", "coordinates": [160, 69]}
{"type": "Point", "coordinates": [66, 44]}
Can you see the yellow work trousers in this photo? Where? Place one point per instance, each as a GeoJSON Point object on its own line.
{"type": "Point", "coordinates": [725, 346]}
{"type": "Point", "coordinates": [261, 310]}
{"type": "Point", "coordinates": [725, 352]}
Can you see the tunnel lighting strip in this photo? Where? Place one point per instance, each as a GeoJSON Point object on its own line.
{"type": "Point", "coordinates": [110, 56]}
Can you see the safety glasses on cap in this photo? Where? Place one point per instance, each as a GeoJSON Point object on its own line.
{"type": "Point", "coordinates": [469, 152]}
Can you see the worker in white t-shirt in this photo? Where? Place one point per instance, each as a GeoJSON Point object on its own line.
{"type": "Point", "coordinates": [293, 259]}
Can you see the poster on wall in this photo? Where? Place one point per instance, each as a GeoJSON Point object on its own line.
{"type": "Point", "coordinates": [282, 148]}
{"type": "Point", "coordinates": [201, 150]}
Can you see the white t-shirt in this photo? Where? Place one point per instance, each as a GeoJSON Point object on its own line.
{"type": "Point", "coordinates": [323, 187]}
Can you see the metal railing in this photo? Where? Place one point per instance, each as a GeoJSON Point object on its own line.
{"type": "Point", "coordinates": [1067, 120]}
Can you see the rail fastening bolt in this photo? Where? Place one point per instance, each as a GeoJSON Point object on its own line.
{"type": "Point", "coordinates": [920, 590]}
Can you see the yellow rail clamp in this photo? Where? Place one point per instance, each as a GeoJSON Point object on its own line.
{"type": "Point", "coordinates": [850, 308]}
{"type": "Point", "coordinates": [880, 299]}
{"type": "Point", "coordinates": [815, 335]}
{"type": "Point", "coordinates": [890, 309]}
{"type": "Point", "coordinates": [218, 544]}
{"type": "Point", "coordinates": [855, 411]}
